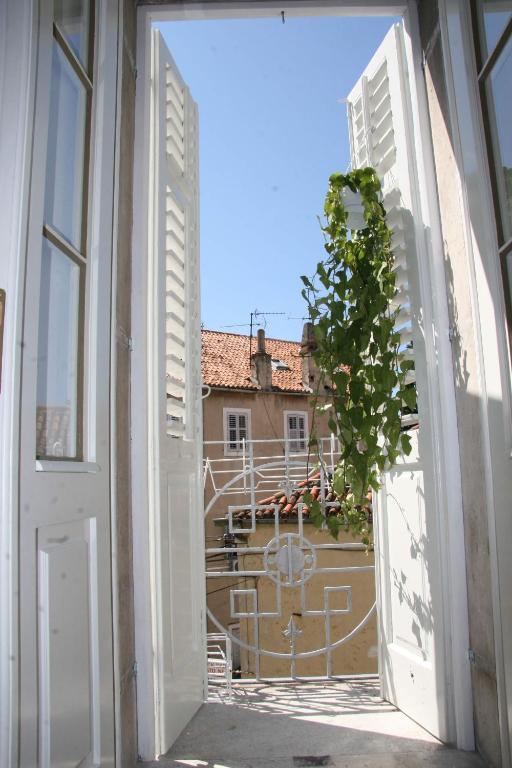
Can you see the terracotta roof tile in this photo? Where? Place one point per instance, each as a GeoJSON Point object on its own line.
{"type": "Point", "coordinates": [288, 506]}
{"type": "Point", "coordinates": [226, 362]}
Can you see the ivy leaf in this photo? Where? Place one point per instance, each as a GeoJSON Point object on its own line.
{"type": "Point", "coordinates": [356, 388]}
{"type": "Point", "coordinates": [408, 396]}
{"type": "Point", "coordinates": [334, 525]}
{"type": "Point", "coordinates": [315, 510]}
{"type": "Point", "coordinates": [340, 379]}
{"type": "Point", "coordinates": [406, 365]}
{"type": "Point", "coordinates": [338, 483]}
{"type": "Point", "coordinates": [381, 462]}
{"type": "Point", "coordinates": [405, 442]}
{"type": "Point", "coordinates": [346, 434]}
{"type": "Point", "coordinates": [357, 417]}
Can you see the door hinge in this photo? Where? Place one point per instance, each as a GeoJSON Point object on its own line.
{"type": "Point", "coordinates": [135, 669]}
{"type": "Point", "coordinates": [452, 333]}
{"type": "Point", "coordinates": [130, 56]}
{"type": "Point", "coordinates": [482, 663]}
{"type": "Point", "coordinates": [126, 340]}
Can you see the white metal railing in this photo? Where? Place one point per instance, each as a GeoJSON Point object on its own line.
{"type": "Point", "coordinates": [265, 466]}
{"type": "Point", "coordinates": [219, 660]}
{"type": "Point", "coordinates": [249, 578]}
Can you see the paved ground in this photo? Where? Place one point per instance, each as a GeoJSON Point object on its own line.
{"type": "Point", "coordinates": [301, 725]}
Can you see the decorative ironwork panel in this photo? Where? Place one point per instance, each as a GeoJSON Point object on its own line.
{"type": "Point", "coordinates": [291, 592]}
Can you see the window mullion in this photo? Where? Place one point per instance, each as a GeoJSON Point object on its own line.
{"type": "Point", "coordinates": [62, 244]}
{"type": "Point", "coordinates": [72, 58]}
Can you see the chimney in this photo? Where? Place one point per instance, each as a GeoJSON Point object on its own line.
{"type": "Point", "coordinates": [261, 364]}
{"type": "Point", "coordinates": [310, 371]}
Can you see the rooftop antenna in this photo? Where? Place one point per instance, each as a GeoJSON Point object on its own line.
{"type": "Point", "coordinates": [255, 314]}
{"type": "Point", "coordinates": [239, 325]}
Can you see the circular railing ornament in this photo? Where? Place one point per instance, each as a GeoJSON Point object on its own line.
{"type": "Point", "coordinates": [289, 560]}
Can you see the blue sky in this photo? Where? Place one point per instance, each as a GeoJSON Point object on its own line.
{"type": "Point", "coordinates": [272, 130]}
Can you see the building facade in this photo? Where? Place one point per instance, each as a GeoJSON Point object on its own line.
{"type": "Point", "coordinates": [258, 411]}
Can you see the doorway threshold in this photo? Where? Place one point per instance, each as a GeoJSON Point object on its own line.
{"type": "Point", "coordinates": [340, 724]}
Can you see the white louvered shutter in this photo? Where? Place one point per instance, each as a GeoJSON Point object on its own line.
{"type": "Point", "coordinates": [378, 137]}
{"type": "Point", "coordinates": [179, 215]}
{"type": "Point", "coordinates": [407, 508]}
{"type": "Point", "coordinates": [176, 499]}
{"type": "Point", "coordinates": [232, 431]}
{"type": "Point", "coordinates": [242, 428]}
{"type": "Point", "coordinates": [237, 430]}
{"type": "Point", "coordinates": [296, 428]}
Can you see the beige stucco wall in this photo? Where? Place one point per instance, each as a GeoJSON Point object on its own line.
{"type": "Point", "coordinates": [267, 423]}
{"type": "Point", "coordinates": [357, 656]}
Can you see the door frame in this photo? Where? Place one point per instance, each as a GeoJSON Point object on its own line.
{"type": "Point", "coordinates": [455, 640]}
{"type": "Point", "coordinates": [19, 43]}
{"type": "Point", "coordinates": [18, 51]}
{"type": "Point", "coordinates": [492, 346]}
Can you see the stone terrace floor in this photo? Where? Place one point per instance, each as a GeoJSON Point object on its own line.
{"type": "Point", "coordinates": [300, 725]}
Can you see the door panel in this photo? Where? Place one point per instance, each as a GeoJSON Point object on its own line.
{"type": "Point", "coordinates": [177, 416]}
{"type": "Point", "coordinates": [66, 694]}
{"type": "Point", "coordinates": [408, 529]}
{"type": "Point", "coordinates": [68, 641]}
{"type": "Point", "coordinates": [408, 608]}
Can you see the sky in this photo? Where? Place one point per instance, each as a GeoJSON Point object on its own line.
{"type": "Point", "coordinates": [273, 127]}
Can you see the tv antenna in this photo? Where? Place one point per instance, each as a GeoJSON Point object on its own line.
{"type": "Point", "coordinates": [254, 315]}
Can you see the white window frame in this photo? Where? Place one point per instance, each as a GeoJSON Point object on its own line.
{"type": "Point", "coordinates": [147, 708]}
{"type": "Point", "coordinates": [226, 412]}
{"type": "Point", "coordinates": [289, 440]}
{"type": "Point", "coordinates": [486, 286]}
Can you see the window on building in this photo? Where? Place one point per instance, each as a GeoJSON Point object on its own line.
{"type": "Point", "coordinates": [296, 431]}
{"type": "Point", "coordinates": [493, 26]}
{"type": "Point", "coordinates": [237, 429]}
{"type": "Point", "coordinates": [60, 369]}
{"type": "Point", "coordinates": [279, 365]}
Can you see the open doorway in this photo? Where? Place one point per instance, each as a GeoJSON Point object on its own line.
{"type": "Point", "coordinates": [272, 126]}
{"type": "Point", "coordinates": [414, 655]}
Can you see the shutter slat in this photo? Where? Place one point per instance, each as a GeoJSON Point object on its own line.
{"type": "Point", "coordinates": [376, 99]}
{"type": "Point", "coordinates": [237, 430]}
{"type": "Point", "coordinates": [179, 339]}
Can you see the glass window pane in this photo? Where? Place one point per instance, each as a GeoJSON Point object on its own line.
{"type": "Point", "coordinates": [72, 18]}
{"type": "Point", "coordinates": [496, 14]}
{"type": "Point", "coordinates": [500, 120]}
{"type": "Point", "coordinates": [65, 159]}
{"type": "Point", "coordinates": [57, 370]}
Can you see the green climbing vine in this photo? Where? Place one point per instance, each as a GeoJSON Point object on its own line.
{"type": "Point", "coordinates": [358, 350]}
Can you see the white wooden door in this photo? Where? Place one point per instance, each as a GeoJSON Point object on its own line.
{"type": "Point", "coordinates": [176, 395]}
{"type": "Point", "coordinates": [66, 698]}
{"type": "Point", "coordinates": [408, 511]}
